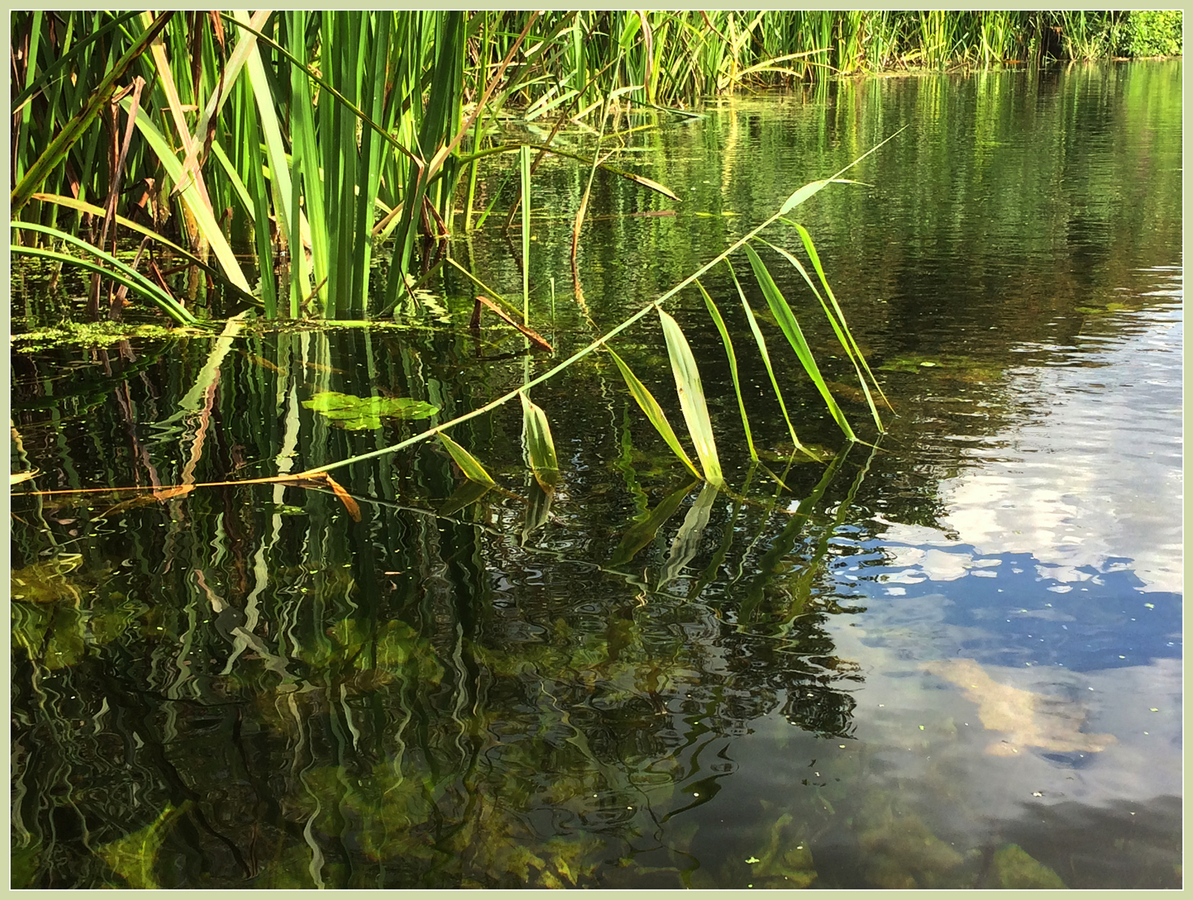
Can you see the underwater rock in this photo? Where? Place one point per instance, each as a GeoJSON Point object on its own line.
{"type": "Point", "coordinates": [901, 850]}
{"type": "Point", "coordinates": [1013, 868]}
{"type": "Point", "coordinates": [787, 861]}
{"type": "Point", "coordinates": [1027, 718]}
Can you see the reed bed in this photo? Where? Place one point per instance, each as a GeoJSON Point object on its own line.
{"type": "Point", "coordinates": [335, 143]}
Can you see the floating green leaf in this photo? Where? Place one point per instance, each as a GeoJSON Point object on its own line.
{"type": "Point", "coordinates": [654, 412]}
{"type": "Point", "coordinates": [691, 398]}
{"type": "Point", "coordinates": [468, 463]}
{"type": "Point", "coordinates": [540, 448]}
{"type": "Point", "coordinates": [364, 413]}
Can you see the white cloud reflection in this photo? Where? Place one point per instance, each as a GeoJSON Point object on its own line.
{"type": "Point", "coordinates": [1097, 476]}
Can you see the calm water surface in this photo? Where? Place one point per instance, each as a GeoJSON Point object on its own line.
{"type": "Point", "coordinates": [951, 660]}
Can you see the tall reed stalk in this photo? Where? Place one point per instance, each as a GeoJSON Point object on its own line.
{"type": "Point", "coordinates": [334, 143]}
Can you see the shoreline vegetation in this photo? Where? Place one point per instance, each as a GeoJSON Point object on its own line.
{"type": "Point", "coordinates": [196, 132]}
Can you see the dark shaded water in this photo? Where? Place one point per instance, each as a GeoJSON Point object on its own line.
{"type": "Point", "coordinates": [953, 661]}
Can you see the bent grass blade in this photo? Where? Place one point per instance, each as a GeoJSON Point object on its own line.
{"type": "Point", "coordinates": [468, 463]}
{"type": "Point", "coordinates": [691, 398]}
{"type": "Point", "coordinates": [653, 411]}
{"type": "Point", "coordinates": [815, 257]}
{"type": "Point", "coordinates": [728, 343]}
{"type": "Point", "coordinates": [540, 447]}
{"type": "Point", "coordinates": [760, 341]}
{"type": "Point", "coordinates": [791, 330]}
{"type": "Point", "coordinates": [116, 270]}
{"type": "Point", "coordinates": [841, 329]}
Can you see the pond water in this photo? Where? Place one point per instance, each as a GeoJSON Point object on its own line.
{"type": "Point", "coordinates": [952, 659]}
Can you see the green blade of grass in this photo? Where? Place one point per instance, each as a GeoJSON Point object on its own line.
{"type": "Point", "coordinates": [840, 328]}
{"type": "Point", "coordinates": [691, 398]}
{"type": "Point", "coordinates": [540, 447]}
{"type": "Point", "coordinates": [468, 463]}
{"type": "Point", "coordinates": [653, 411]}
{"type": "Point", "coordinates": [725, 340]}
{"type": "Point", "coordinates": [91, 209]}
{"type": "Point", "coordinates": [795, 336]}
{"type": "Point", "coordinates": [760, 342]}
{"type": "Point", "coordinates": [815, 257]}
{"type": "Point", "coordinates": [74, 128]}
{"type": "Point", "coordinates": [117, 270]}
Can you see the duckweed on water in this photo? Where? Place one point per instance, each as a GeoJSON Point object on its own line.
{"type": "Point", "coordinates": [93, 334]}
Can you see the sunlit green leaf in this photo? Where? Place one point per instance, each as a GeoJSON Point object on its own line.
{"type": "Point", "coordinates": [540, 447]}
{"type": "Point", "coordinates": [653, 411]}
{"type": "Point", "coordinates": [795, 336]}
{"type": "Point", "coordinates": [728, 344]}
{"type": "Point", "coordinates": [361, 413]}
{"type": "Point", "coordinates": [468, 463]}
{"type": "Point", "coordinates": [836, 318]}
{"type": "Point", "coordinates": [808, 190]}
{"type": "Point", "coordinates": [691, 398]}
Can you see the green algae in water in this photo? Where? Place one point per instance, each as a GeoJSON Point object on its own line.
{"type": "Point", "coordinates": [94, 334]}
{"type": "Point", "coordinates": [1014, 868]}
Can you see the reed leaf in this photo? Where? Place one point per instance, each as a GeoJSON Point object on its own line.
{"type": "Point", "coordinates": [91, 209]}
{"type": "Point", "coordinates": [815, 257]}
{"type": "Point", "coordinates": [540, 448]}
{"type": "Point", "coordinates": [691, 398]}
{"type": "Point", "coordinates": [653, 411]}
{"type": "Point", "coordinates": [836, 318]}
{"type": "Point", "coordinates": [56, 152]}
{"type": "Point", "coordinates": [468, 463]}
{"type": "Point", "coordinates": [795, 336]}
{"type": "Point", "coordinates": [760, 342]}
{"type": "Point", "coordinates": [812, 189]}
{"type": "Point", "coordinates": [193, 199]}
{"type": "Point", "coordinates": [119, 271]}
{"type": "Point", "coordinates": [727, 342]}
